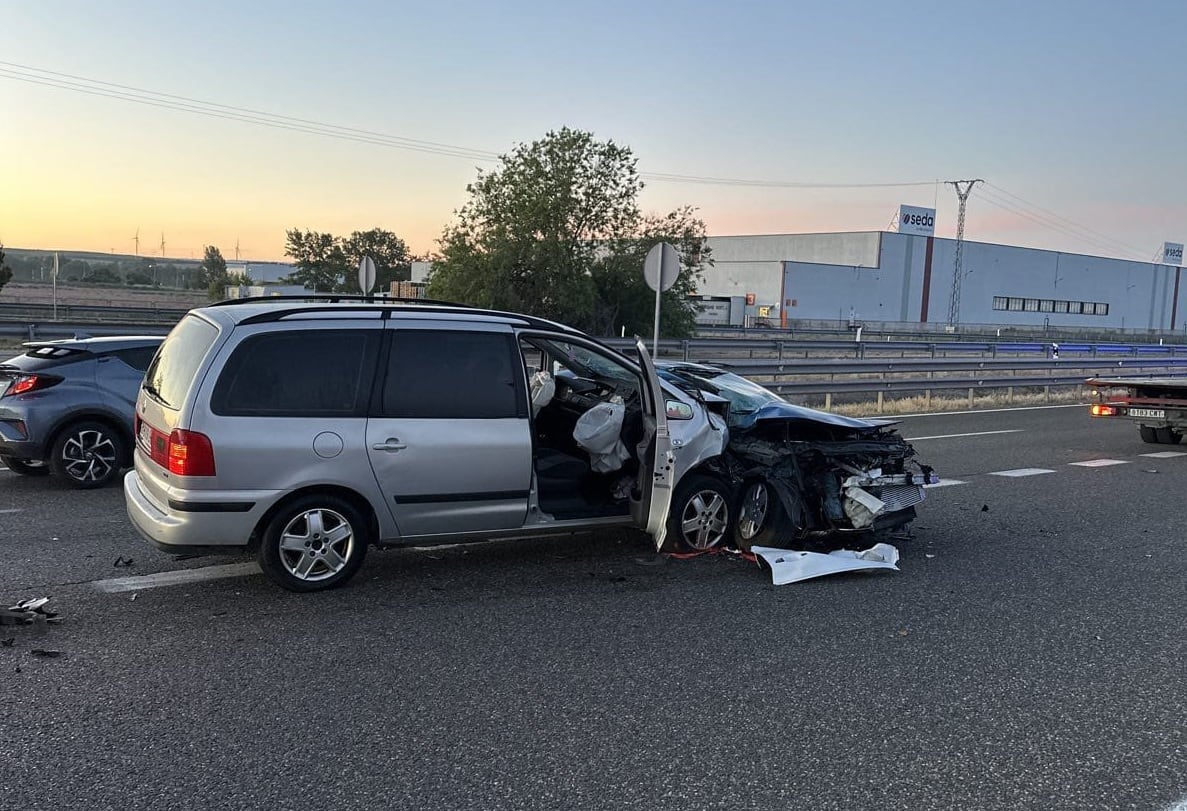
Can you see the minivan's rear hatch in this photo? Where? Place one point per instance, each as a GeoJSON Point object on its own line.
{"type": "Point", "coordinates": [166, 388]}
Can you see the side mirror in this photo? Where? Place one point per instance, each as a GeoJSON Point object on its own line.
{"type": "Point", "coordinates": [678, 410]}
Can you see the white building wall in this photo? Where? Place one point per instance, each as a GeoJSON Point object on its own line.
{"type": "Point", "coordinates": [754, 264]}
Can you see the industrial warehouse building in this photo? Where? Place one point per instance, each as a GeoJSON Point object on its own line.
{"type": "Point", "coordinates": [889, 277]}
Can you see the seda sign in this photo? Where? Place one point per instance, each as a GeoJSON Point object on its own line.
{"type": "Point", "coordinates": [917, 221]}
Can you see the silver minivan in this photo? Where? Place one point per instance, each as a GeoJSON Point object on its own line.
{"type": "Point", "coordinates": [311, 429]}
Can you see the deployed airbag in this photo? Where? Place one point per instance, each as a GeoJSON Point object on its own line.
{"type": "Point", "coordinates": [598, 433]}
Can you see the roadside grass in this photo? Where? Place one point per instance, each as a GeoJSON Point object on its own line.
{"type": "Point", "coordinates": [921, 404]}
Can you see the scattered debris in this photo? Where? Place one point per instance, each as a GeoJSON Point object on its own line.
{"type": "Point", "coordinates": [122, 561]}
{"type": "Point", "coordinates": [1151, 471]}
{"type": "Point", "coordinates": [45, 654]}
{"type": "Point", "coordinates": [792, 566]}
{"type": "Point", "coordinates": [133, 597]}
{"type": "Point", "coordinates": [929, 557]}
{"type": "Point", "coordinates": [27, 612]}
{"type": "Point", "coordinates": [984, 508]}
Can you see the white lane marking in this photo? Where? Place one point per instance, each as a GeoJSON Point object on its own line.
{"type": "Point", "coordinates": [1099, 463]}
{"type": "Point", "coordinates": [896, 417]}
{"type": "Point", "coordinates": [8, 512]}
{"type": "Point", "coordinates": [152, 581]}
{"type": "Point", "coordinates": [1022, 471]}
{"type": "Point", "coordinates": [974, 433]}
{"type": "Point", "coordinates": [1165, 454]}
{"type": "Point", "coordinates": [1181, 805]}
{"type": "Point", "coordinates": [943, 483]}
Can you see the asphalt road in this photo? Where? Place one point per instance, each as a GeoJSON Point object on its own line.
{"type": "Point", "coordinates": [1030, 654]}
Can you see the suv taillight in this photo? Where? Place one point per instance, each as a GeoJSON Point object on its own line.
{"type": "Point", "coordinates": [190, 454]}
{"type": "Point", "coordinates": [23, 384]}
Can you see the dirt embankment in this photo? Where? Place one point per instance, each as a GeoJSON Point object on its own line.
{"type": "Point", "coordinates": [96, 296]}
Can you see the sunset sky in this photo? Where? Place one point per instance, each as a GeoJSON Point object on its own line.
{"type": "Point", "coordinates": [1074, 112]}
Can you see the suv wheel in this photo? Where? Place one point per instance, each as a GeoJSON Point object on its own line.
{"type": "Point", "coordinates": [87, 454]}
{"type": "Point", "coordinates": [315, 542]}
{"type": "Point", "coordinates": [760, 513]}
{"type": "Point", "coordinates": [25, 467]}
{"type": "Point", "coordinates": [699, 518]}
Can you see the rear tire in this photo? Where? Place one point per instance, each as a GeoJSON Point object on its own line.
{"type": "Point", "coordinates": [88, 454]}
{"type": "Point", "coordinates": [1148, 434]}
{"type": "Point", "coordinates": [313, 543]}
{"type": "Point", "coordinates": [25, 467]}
{"type": "Point", "coordinates": [1168, 436]}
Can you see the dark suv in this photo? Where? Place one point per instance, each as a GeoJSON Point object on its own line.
{"type": "Point", "coordinates": [67, 407]}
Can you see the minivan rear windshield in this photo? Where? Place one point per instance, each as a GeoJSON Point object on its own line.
{"type": "Point", "coordinates": [172, 371]}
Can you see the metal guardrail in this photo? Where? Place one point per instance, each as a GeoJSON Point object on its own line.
{"type": "Point", "coordinates": [780, 362]}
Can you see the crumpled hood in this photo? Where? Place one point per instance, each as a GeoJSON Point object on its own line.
{"type": "Point", "coordinates": [787, 411]}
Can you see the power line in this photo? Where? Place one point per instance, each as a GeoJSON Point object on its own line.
{"type": "Point", "coordinates": [1057, 220]}
{"type": "Point", "coordinates": [172, 101]}
{"type": "Point", "coordinates": [1100, 242]}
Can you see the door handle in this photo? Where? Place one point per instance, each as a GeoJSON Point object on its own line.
{"type": "Point", "coordinates": [390, 444]}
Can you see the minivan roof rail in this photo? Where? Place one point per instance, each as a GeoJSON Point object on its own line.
{"type": "Point", "coordinates": [329, 301]}
{"type": "Point", "coordinates": [333, 298]}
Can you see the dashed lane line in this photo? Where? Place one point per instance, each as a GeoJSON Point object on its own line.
{"type": "Point", "coordinates": [9, 512]}
{"type": "Point", "coordinates": [973, 433]}
{"type": "Point", "coordinates": [1100, 463]}
{"type": "Point", "coordinates": [176, 578]}
{"type": "Point", "coordinates": [1165, 454]}
{"type": "Point", "coordinates": [1022, 471]}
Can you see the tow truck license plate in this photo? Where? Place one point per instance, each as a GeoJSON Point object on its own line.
{"type": "Point", "coordinates": [1151, 413]}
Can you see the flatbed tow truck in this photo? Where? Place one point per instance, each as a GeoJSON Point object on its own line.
{"type": "Point", "coordinates": [1157, 404]}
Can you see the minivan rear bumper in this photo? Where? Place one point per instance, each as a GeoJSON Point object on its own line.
{"type": "Point", "coordinates": [188, 525]}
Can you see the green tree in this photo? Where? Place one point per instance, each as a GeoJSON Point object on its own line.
{"type": "Point", "coordinates": [533, 228]}
{"type": "Point", "coordinates": [5, 270]}
{"type": "Point", "coordinates": [388, 251]}
{"type": "Point", "coordinates": [556, 231]}
{"type": "Point", "coordinates": [624, 302]}
{"type": "Point", "coordinates": [213, 267]}
{"type": "Point", "coordinates": [216, 289]}
{"type": "Point", "coordinates": [322, 264]}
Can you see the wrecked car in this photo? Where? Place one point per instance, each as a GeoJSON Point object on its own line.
{"type": "Point", "coordinates": [794, 473]}
{"type": "Point", "coordinates": [308, 429]}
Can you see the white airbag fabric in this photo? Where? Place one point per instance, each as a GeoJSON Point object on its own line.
{"type": "Point", "coordinates": [597, 432]}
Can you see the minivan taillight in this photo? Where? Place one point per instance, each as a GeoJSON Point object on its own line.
{"type": "Point", "coordinates": [190, 454]}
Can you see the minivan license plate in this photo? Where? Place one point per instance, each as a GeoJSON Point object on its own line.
{"type": "Point", "coordinates": [1150, 413]}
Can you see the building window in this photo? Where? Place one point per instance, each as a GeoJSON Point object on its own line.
{"type": "Point", "coordinates": [1061, 306]}
{"type": "Point", "coordinates": [1102, 309]}
{"type": "Point", "coordinates": [1046, 306]}
{"type": "Point", "coordinates": [1031, 305]}
{"type": "Point", "coordinates": [1073, 307]}
{"type": "Point", "coordinates": [1000, 302]}
{"type": "Point", "coordinates": [1015, 304]}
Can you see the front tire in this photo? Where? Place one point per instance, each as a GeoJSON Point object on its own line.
{"type": "Point", "coordinates": [700, 517]}
{"type": "Point", "coordinates": [760, 512]}
{"type": "Point", "coordinates": [314, 543]}
{"type": "Point", "coordinates": [25, 467]}
{"type": "Point", "coordinates": [88, 454]}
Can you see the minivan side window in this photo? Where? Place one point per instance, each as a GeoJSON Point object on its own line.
{"type": "Point", "coordinates": [439, 374]}
{"type": "Point", "coordinates": [298, 373]}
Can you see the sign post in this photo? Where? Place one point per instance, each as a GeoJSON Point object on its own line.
{"type": "Point", "coordinates": [366, 275]}
{"type": "Point", "coordinates": [661, 268]}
